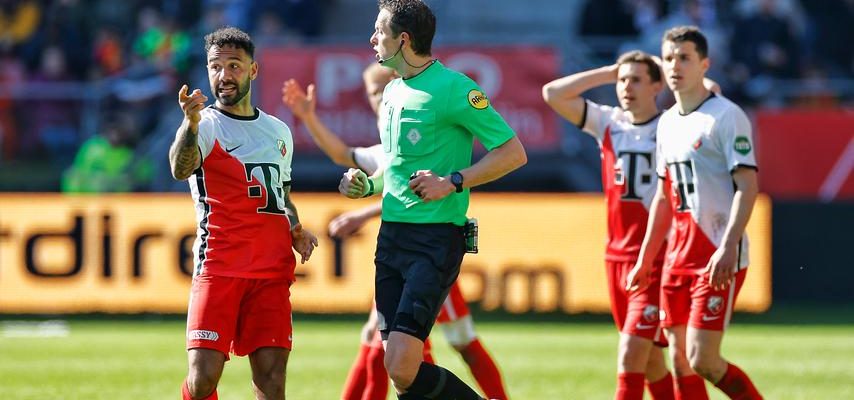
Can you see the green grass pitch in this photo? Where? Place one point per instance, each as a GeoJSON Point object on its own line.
{"type": "Point", "coordinates": [541, 359]}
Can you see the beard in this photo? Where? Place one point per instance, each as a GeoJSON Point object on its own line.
{"type": "Point", "coordinates": [241, 89]}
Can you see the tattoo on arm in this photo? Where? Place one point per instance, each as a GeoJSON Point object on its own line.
{"type": "Point", "coordinates": [290, 207]}
{"type": "Point", "coordinates": [184, 154]}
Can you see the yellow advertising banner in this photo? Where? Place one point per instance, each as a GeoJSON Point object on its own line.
{"type": "Point", "coordinates": [132, 253]}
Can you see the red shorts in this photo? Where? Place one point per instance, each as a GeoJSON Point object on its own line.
{"type": "Point", "coordinates": [635, 313]}
{"type": "Point", "coordinates": [689, 299]}
{"type": "Point", "coordinates": [454, 307]}
{"type": "Point", "coordinates": [239, 315]}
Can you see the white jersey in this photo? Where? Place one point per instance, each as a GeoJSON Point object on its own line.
{"type": "Point", "coordinates": [369, 159]}
{"type": "Point", "coordinates": [697, 154]}
{"type": "Point", "coordinates": [239, 194]}
{"type": "Point", "coordinates": [628, 172]}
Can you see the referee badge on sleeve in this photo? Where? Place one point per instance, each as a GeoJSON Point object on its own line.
{"type": "Point", "coordinates": [477, 99]}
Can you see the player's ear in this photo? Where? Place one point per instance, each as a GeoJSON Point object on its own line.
{"type": "Point", "coordinates": [253, 70]}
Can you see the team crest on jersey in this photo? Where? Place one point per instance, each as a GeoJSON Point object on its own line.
{"type": "Point", "coordinates": [477, 99]}
{"type": "Point", "coordinates": [714, 304]}
{"type": "Point", "coordinates": [742, 145]}
{"type": "Point", "coordinates": [697, 144]}
{"type": "Point", "coordinates": [650, 313]}
{"type": "Point", "coordinates": [280, 145]}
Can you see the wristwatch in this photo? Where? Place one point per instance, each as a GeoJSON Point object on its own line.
{"type": "Point", "coordinates": [457, 180]}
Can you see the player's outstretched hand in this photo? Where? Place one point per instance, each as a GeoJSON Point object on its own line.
{"type": "Point", "coordinates": [346, 224]}
{"type": "Point", "coordinates": [721, 267]}
{"type": "Point", "coordinates": [303, 242]}
{"type": "Point", "coordinates": [191, 104]}
{"type": "Point", "coordinates": [429, 186]}
{"type": "Point", "coordinates": [354, 183]}
{"type": "Point", "coordinates": [302, 104]}
{"type": "Point", "coordinates": [638, 277]}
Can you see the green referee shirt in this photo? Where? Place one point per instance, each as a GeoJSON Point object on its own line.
{"type": "Point", "coordinates": [429, 122]}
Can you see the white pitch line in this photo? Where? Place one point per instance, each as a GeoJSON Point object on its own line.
{"type": "Point", "coordinates": [838, 174]}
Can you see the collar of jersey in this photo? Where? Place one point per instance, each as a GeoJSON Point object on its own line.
{"type": "Point", "coordinates": [654, 117]}
{"type": "Point", "coordinates": [432, 63]}
{"type": "Point", "coordinates": [711, 96]}
{"type": "Point", "coordinates": [238, 117]}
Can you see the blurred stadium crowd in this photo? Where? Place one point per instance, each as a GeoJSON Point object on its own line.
{"type": "Point", "coordinates": [87, 87]}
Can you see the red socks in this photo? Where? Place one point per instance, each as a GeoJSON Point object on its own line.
{"type": "Point", "coordinates": [357, 377]}
{"type": "Point", "coordinates": [737, 385]}
{"type": "Point", "coordinates": [427, 352]}
{"type": "Point", "coordinates": [662, 389]}
{"type": "Point", "coordinates": [185, 393]}
{"type": "Point", "coordinates": [376, 385]}
{"type": "Point", "coordinates": [629, 386]}
{"type": "Point", "coordinates": [691, 387]}
{"type": "Point", "coordinates": [484, 370]}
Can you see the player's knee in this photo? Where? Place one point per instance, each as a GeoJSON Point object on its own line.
{"type": "Point", "coordinates": [703, 365]}
{"type": "Point", "coordinates": [200, 386]}
{"type": "Point", "coordinates": [269, 380]}
{"type": "Point", "coordinates": [681, 365]}
{"type": "Point", "coordinates": [400, 372]}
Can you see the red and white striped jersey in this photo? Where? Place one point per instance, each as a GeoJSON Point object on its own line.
{"type": "Point", "coordinates": [239, 194]}
{"type": "Point", "coordinates": [628, 172]}
{"type": "Point", "coordinates": [697, 154]}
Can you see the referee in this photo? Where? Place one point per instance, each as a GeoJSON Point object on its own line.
{"type": "Point", "coordinates": [428, 121]}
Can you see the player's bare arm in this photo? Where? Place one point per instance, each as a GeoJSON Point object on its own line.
{"type": "Point", "coordinates": [303, 104]}
{"type": "Point", "coordinates": [302, 240]}
{"type": "Point", "coordinates": [657, 227]}
{"type": "Point", "coordinates": [184, 157]}
{"type": "Point", "coordinates": [564, 94]}
{"type": "Point", "coordinates": [350, 222]}
{"type": "Point", "coordinates": [723, 263]}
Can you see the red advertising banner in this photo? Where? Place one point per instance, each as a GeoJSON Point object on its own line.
{"type": "Point", "coordinates": [806, 154]}
{"type": "Point", "coordinates": [510, 76]}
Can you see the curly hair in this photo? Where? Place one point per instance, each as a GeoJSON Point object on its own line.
{"type": "Point", "coordinates": [230, 36]}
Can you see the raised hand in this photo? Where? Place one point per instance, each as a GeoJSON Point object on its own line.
{"type": "Point", "coordinates": [191, 104]}
{"type": "Point", "coordinates": [302, 104]}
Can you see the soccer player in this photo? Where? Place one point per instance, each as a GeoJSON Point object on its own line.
{"type": "Point", "coordinates": [626, 137]}
{"type": "Point", "coordinates": [239, 159]}
{"type": "Point", "coordinates": [428, 121]}
{"type": "Point", "coordinates": [707, 168]}
{"type": "Point", "coordinates": [368, 378]}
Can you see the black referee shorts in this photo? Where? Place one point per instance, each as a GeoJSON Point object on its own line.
{"type": "Point", "coordinates": [416, 266]}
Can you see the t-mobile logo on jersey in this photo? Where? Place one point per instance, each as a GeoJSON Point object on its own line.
{"type": "Point", "coordinates": [682, 175]}
{"type": "Point", "coordinates": [273, 186]}
{"type": "Point", "coordinates": [629, 168]}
